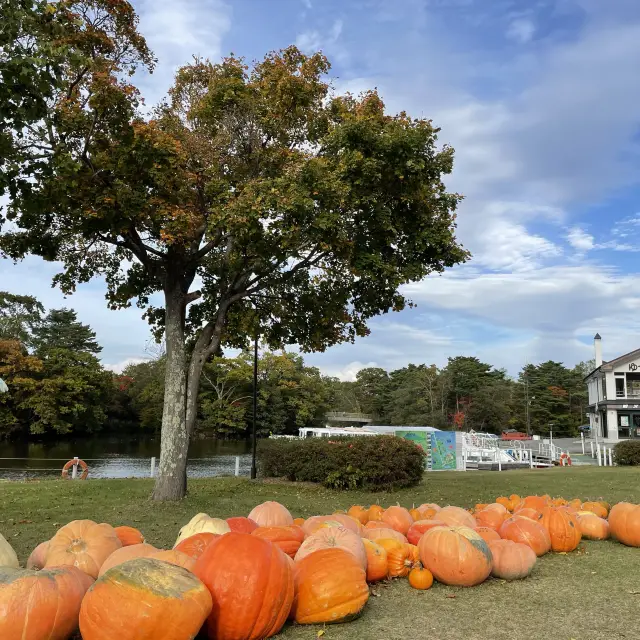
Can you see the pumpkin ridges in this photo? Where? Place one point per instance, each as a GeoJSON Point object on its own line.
{"type": "Point", "coordinates": [398, 518]}
{"type": "Point", "coordinates": [377, 561]}
{"type": "Point", "coordinates": [288, 538]}
{"type": "Point", "coordinates": [398, 557]}
{"type": "Point", "coordinates": [563, 528]}
{"type": "Point", "coordinates": [124, 554]}
{"type": "Point", "coordinates": [128, 535]}
{"type": "Point", "coordinates": [195, 545]}
{"type": "Point", "coordinates": [511, 560]}
{"type": "Point", "coordinates": [624, 523]}
{"type": "Point", "coordinates": [420, 578]}
{"type": "Point", "coordinates": [334, 537]}
{"type": "Point", "coordinates": [271, 514]}
{"type": "Point", "coordinates": [533, 534]}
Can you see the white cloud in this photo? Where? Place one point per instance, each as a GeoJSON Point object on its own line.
{"type": "Point", "coordinates": [327, 41]}
{"type": "Point", "coordinates": [119, 367]}
{"type": "Point", "coordinates": [349, 372]}
{"type": "Point", "coordinates": [307, 4]}
{"type": "Point", "coordinates": [579, 239]}
{"type": "Point", "coordinates": [521, 30]}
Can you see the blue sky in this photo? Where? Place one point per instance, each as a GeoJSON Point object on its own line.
{"type": "Point", "coordinates": [541, 101]}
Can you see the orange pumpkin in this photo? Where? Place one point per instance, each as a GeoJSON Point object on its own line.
{"type": "Point", "coordinates": [313, 524]}
{"type": "Point", "coordinates": [419, 528]}
{"type": "Point", "coordinates": [427, 513]}
{"type": "Point", "coordinates": [490, 518]}
{"type": "Point", "coordinates": [429, 505]}
{"type": "Point", "coordinates": [288, 539]}
{"type": "Point", "coordinates": [415, 514]}
{"type": "Point", "coordinates": [375, 512]}
{"type": "Point", "coordinates": [594, 507]}
{"type": "Point", "coordinates": [415, 553]}
{"type": "Point", "coordinates": [125, 554]}
{"type": "Point", "coordinates": [487, 534]}
{"type": "Point", "coordinates": [455, 556]}
{"type": "Point", "coordinates": [480, 506]}
{"type": "Point", "coordinates": [377, 567]}
{"type": "Point", "coordinates": [511, 560]}
{"type": "Point", "coordinates": [398, 557]}
{"type": "Point", "coordinates": [500, 508]}
{"type": "Point", "coordinates": [398, 518]}
{"type": "Point", "coordinates": [381, 533]}
{"type": "Point", "coordinates": [129, 536]}
{"type": "Point", "coordinates": [563, 528]}
{"type": "Point", "coordinates": [456, 517]}
{"type": "Point", "coordinates": [271, 514]}
{"type": "Point", "coordinates": [194, 545]}
{"type": "Point", "coordinates": [591, 526]}
{"type": "Point", "coordinates": [624, 523]}
{"type": "Point", "coordinates": [331, 587]}
{"type": "Point", "coordinates": [334, 537]}
{"type": "Point", "coordinates": [514, 500]}
{"type": "Point", "coordinates": [533, 534]}
{"type": "Point", "coordinates": [299, 521]}
{"type": "Point", "coordinates": [227, 566]}
{"type": "Point", "coordinates": [83, 544]}
{"type": "Point", "coordinates": [535, 502]}
{"type": "Point", "coordinates": [242, 525]}
{"type": "Point", "coordinates": [173, 556]}
{"type": "Point", "coordinates": [505, 502]}
{"type": "Point", "coordinates": [38, 557]}
{"type": "Point", "coordinates": [359, 513]}
{"type": "Point", "coordinates": [528, 512]}
{"type": "Point", "coordinates": [145, 598]}
{"type": "Point", "coordinates": [576, 504]}
{"type": "Point", "coordinates": [41, 604]}
{"type": "Point", "coordinates": [420, 578]}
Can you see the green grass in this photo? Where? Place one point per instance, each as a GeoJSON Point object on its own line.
{"type": "Point", "coordinates": [590, 594]}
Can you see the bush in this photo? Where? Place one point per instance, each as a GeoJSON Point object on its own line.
{"type": "Point", "coordinates": [376, 463]}
{"type": "Point", "coordinates": [627, 453]}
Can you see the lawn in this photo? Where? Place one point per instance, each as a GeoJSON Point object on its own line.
{"type": "Point", "coordinates": [589, 594]}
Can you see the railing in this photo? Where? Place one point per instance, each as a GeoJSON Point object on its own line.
{"type": "Point", "coordinates": [345, 416]}
{"type": "Point", "coordinates": [632, 395]}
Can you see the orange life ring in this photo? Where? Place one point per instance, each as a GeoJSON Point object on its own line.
{"type": "Point", "coordinates": [80, 463]}
{"type": "Point", "coordinates": [565, 460]}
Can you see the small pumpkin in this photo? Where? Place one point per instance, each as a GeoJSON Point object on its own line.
{"type": "Point", "coordinates": [576, 504]}
{"type": "Point", "coordinates": [398, 557]}
{"type": "Point", "coordinates": [125, 554]}
{"type": "Point", "coordinates": [377, 563]}
{"type": "Point", "coordinates": [330, 587]}
{"type": "Point", "coordinates": [511, 560]}
{"type": "Point", "coordinates": [375, 512]}
{"type": "Point", "coordinates": [495, 506]}
{"type": "Point", "coordinates": [194, 546]}
{"type": "Point", "coordinates": [559, 502]}
{"type": "Point", "coordinates": [271, 514]}
{"type": "Point", "coordinates": [592, 527]}
{"type": "Point", "coordinates": [38, 557]}
{"type": "Point", "coordinates": [429, 505]}
{"type": "Point", "coordinates": [624, 523]}
{"type": "Point", "coordinates": [487, 534]}
{"type": "Point", "coordinates": [359, 513]}
{"type": "Point", "coordinates": [145, 598]}
{"type": "Point", "coordinates": [457, 517]}
{"type": "Point", "coordinates": [419, 528]}
{"type": "Point", "coordinates": [129, 535]}
{"type": "Point", "coordinates": [594, 507]}
{"type": "Point", "coordinates": [526, 531]}
{"type": "Point", "coordinates": [398, 518]}
{"type": "Point", "coordinates": [8, 557]}
{"type": "Point", "coordinates": [381, 533]}
{"type": "Point", "coordinates": [490, 518]}
{"type": "Point", "coordinates": [563, 528]}
{"type": "Point", "coordinates": [536, 502]}
{"type": "Point", "coordinates": [241, 525]}
{"type": "Point", "coordinates": [288, 539]}
{"type": "Point", "coordinates": [201, 523]}
{"type": "Point", "coordinates": [415, 514]}
{"type": "Point", "coordinates": [420, 578]}
{"type": "Point", "coordinates": [299, 521]}
{"type": "Point", "coordinates": [334, 537]}
{"type": "Point", "coordinates": [505, 502]}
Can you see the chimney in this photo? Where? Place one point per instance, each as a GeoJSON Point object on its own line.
{"type": "Point", "coordinates": [597, 343]}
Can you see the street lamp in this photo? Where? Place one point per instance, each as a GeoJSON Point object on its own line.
{"type": "Point", "coordinates": [254, 471]}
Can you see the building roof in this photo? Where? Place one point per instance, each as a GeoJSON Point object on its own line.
{"type": "Point", "coordinates": [612, 364]}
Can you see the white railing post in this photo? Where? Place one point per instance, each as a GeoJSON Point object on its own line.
{"type": "Point", "coordinates": [74, 469]}
{"type": "Point", "coordinates": [582, 441]}
{"type": "Point", "coordinates": [499, 461]}
{"type": "Point", "coordinates": [530, 458]}
{"type": "Point", "coordinates": [237, 465]}
{"type": "Point", "coordinates": [598, 453]}
{"type": "Point", "coordinates": [610, 457]}
{"type": "Point", "coordinates": [593, 455]}
{"type": "Point", "coordinates": [153, 467]}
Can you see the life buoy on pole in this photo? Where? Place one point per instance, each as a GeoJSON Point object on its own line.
{"type": "Point", "coordinates": [76, 461]}
{"type": "Point", "coordinates": [568, 460]}
{"type": "Point", "coordinates": [563, 459]}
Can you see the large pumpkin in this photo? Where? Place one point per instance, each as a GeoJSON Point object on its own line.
{"type": "Point", "coordinates": [83, 544]}
{"type": "Point", "coordinates": [456, 517]}
{"type": "Point", "coordinates": [429, 505]}
{"type": "Point", "coordinates": [334, 537]}
{"type": "Point", "coordinates": [330, 587]}
{"type": "Point", "coordinates": [533, 534]}
{"type": "Point", "coordinates": [288, 539]}
{"type": "Point", "coordinates": [487, 534]}
{"type": "Point", "coordinates": [145, 599]}
{"type": "Point", "coordinates": [8, 557]}
{"type": "Point", "coordinates": [624, 522]}
{"type": "Point", "coordinates": [241, 525]}
{"type": "Point", "coordinates": [377, 562]}
{"type": "Point", "coordinates": [39, 605]}
{"type": "Point", "coordinates": [125, 554]}
{"type": "Point", "coordinates": [511, 560]}
{"type": "Point", "coordinates": [496, 506]}
{"type": "Point", "coordinates": [535, 502]}
{"type": "Point", "coordinates": [251, 583]}
{"type": "Point", "coordinates": [129, 536]}
{"type": "Point", "coordinates": [528, 512]}
{"type": "Point", "coordinates": [398, 518]}
{"type": "Point", "coordinates": [591, 526]}
{"type": "Point", "coordinates": [271, 514]}
{"type": "Point", "coordinates": [201, 523]}
{"type": "Point", "coordinates": [38, 557]}
{"type": "Point", "coordinates": [419, 528]}
{"type": "Point", "coordinates": [173, 556]}
{"type": "Point", "coordinates": [490, 518]}
{"type": "Point", "coordinates": [194, 546]}
{"type": "Point", "coordinates": [399, 557]}
{"type": "Point", "coordinates": [315, 523]}
{"type": "Point", "coordinates": [594, 507]}
{"type": "Point", "coordinates": [455, 555]}
{"type": "Point", "coordinates": [380, 533]}
{"type": "Point", "coordinates": [563, 528]}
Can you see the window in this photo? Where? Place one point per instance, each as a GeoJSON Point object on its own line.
{"type": "Point", "coordinates": [604, 388]}
{"type": "Point", "coordinates": [619, 387]}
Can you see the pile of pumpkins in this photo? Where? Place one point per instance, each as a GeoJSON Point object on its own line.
{"type": "Point", "coordinates": [242, 578]}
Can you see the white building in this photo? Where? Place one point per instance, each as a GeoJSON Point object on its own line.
{"type": "Point", "coordinates": [614, 395]}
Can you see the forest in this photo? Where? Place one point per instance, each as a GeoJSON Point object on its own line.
{"type": "Point", "coordinates": [58, 387]}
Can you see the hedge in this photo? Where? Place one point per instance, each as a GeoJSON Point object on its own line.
{"type": "Point", "coordinates": [627, 453]}
{"type": "Point", "coordinates": [375, 463]}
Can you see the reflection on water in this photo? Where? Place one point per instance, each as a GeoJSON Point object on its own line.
{"type": "Point", "coordinates": [118, 457]}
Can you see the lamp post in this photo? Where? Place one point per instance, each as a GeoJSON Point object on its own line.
{"type": "Point", "coordinates": [254, 471]}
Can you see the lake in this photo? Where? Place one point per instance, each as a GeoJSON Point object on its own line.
{"type": "Point", "coordinates": [118, 457]}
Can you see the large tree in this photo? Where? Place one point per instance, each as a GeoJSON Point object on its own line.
{"type": "Point", "coordinates": [250, 187]}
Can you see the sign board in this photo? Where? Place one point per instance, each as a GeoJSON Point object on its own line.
{"type": "Point", "coordinates": [443, 451]}
{"type": "Point", "coordinates": [421, 438]}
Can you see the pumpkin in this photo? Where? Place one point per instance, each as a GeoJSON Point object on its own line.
{"type": "Point", "coordinates": [456, 556]}
{"type": "Point", "coordinates": [563, 528]}
{"type": "Point", "coordinates": [605, 504]}
{"type": "Point", "coordinates": [379, 534]}
{"type": "Point", "coordinates": [194, 546]}
{"type": "Point", "coordinates": [334, 537]}
{"type": "Point", "coordinates": [415, 553]}
{"type": "Point", "coordinates": [375, 524]}
{"type": "Point", "coordinates": [359, 513]}
{"type": "Point", "coordinates": [487, 534]}
{"type": "Point", "coordinates": [416, 514]}
{"type": "Point", "coordinates": [399, 559]}
{"type": "Point", "coordinates": [313, 524]}
{"type": "Point", "coordinates": [8, 557]}
{"type": "Point", "coordinates": [288, 539]}
{"type": "Point", "coordinates": [201, 523]}
{"type": "Point", "coordinates": [299, 521]}
{"type": "Point", "coordinates": [500, 508]}
{"type": "Point", "coordinates": [125, 554]}
{"type": "Point", "coordinates": [591, 526]}
{"type": "Point", "coordinates": [594, 507]}
{"type": "Point", "coordinates": [526, 531]}
{"type": "Point", "coordinates": [419, 528]}
{"type": "Point", "coordinates": [505, 502]}
{"type": "Point", "coordinates": [429, 505]}
{"type": "Point", "coordinates": [377, 567]}
{"type": "Point", "coordinates": [330, 587]}
{"type": "Point", "coordinates": [535, 502]}
{"type": "Point", "coordinates": [375, 512]}
{"type": "Point", "coordinates": [427, 513]}
{"type": "Point", "coordinates": [490, 518]}
{"type": "Point", "coordinates": [40, 604]}
{"type": "Point", "coordinates": [456, 517]}
{"type": "Point", "coordinates": [624, 523]}
{"type": "Point", "coordinates": [129, 536]}
{"type": "Point", "coordinates": [271, 514]}
{"type": "Point", "coordinates": [83, 544]}
{"type": "Point", "coordinates": [528, 512]}
{"type": "Point", "coordinates": [241, 525]}
{"type": "Point", "coordinates": [511, 560]}
{"type": "Point", "coordinates": [173, 556]}
{"type": "Point", "coordinates": [145, 599]}
{"type": "Point", "coordinates": [420, 578]}
{"type": "Point", "coordinates": [576, 504]}
{"type": "Point", "coordinates": [38, 557]}
{"type": "Point", "coordinates": [559, 502]}
{"type": "Point", "coordinates": [514, 501]}
{"type": "Point", "coordinates": [251, 583]}
{"type": "Point", "coordinates": [398, 518]}
{"type": "Point", "coordinates": [480, 506]}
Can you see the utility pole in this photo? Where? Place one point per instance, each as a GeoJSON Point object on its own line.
{"type": "Point", "coordinates": [526, 403]}
{"type": "Point", "coordinates": [254, 470]}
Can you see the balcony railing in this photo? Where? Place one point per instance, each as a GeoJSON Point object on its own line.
{"type": "Point", "coordinates": [634, 395]}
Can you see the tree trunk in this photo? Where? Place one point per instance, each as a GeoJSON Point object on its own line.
{"type": "Point", "coordinates": [171, 483]}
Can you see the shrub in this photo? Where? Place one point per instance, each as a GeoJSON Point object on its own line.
{"type": "Point", "coordinates": [627, 452]}
{"type": "Point", "coordinates": [377, 463]}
